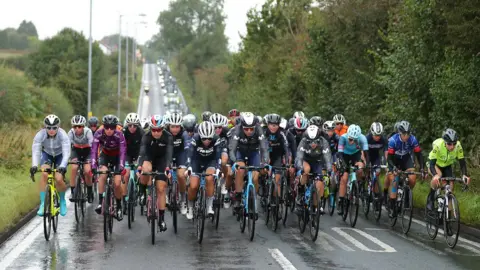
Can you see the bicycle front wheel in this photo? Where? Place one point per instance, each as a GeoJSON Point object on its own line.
{"type": "Point", "coordinates": [56, 205]}
{"type": "Point", "coordinates": [251, 212]}
{"type": "Point", "coordinates": [451, 223]}
{"type": "Point", "coordinates": [47, 216]}
{"type": "Point", "coordinates": [315, 214]}
{"type": "Point", "coordinates": [407, 209]}
{"type": "Point", "coordinates": [173, 204]}
{"type": "Point", "coordinates": [106, 215]}
{"type": "Point", "coordinates": [153, 212]}
{"type": "Point", "coordinates": [76, 196]}
{"type": "Point", "coordinates": [354, 204]}
{"type": "Point", "coordinates": [201, 215]}
{"type": "Point", "coordinates": [217, 203]}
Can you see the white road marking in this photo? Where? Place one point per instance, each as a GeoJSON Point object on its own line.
{"type": "Point", "coordinates": [282, 260]}
{"type": "Point", "coordinates": [386, 248]}
{"type": "Point", "coordinates": [22, 244]}
{"type": "Point", "coordinates": [438, 252]}
{"type": "Point", "coordinates": [334, 241]}
{"type": "Point", "coordinates": [302, 243]}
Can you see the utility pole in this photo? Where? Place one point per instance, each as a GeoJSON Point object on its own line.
{"type": "Point", "coordinates": [119, 63]}
{"type": "Point", "coordinates": [89, 103]}
{"type": "Point", "coordinates": [126, 62]}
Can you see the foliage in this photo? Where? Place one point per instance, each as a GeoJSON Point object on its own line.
{"type": "Point", "coordinates": [23, 38]}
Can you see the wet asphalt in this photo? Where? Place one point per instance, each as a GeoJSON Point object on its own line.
{"type": "Point", "coordinates": [370, 245]}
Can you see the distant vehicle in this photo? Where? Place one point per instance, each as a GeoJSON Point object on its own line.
{"type": "Point", "coordinates": [146, 88]}
{"type": "Point", "coordinates": [171, 98]}
{"type": "Point", "coordinates": [162, 85]}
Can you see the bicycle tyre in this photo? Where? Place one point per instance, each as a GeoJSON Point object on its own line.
{"type": "Point", "coordinates": [47, 220]}
{"type": "Point", "coordinates": [275, 210]}
{"type": "Point", "coordinates": [268, 209]}
{"type": "Point", "coordinates": [406, 217]}
{"type": "Point", "coordinates": [315, 212]}
{"type": "Point", "coordinates": [218, 202]}
{"type": "Point", "coordinates": [201, 215]}
{"type": "Point", "coordinates": [377, 203]}
{"type": "Point", "coordinates": [285, 198]}
{"type": "Point", "coordinates": [153, 211]}
{"type": "Point", "coordinates": [106, 215]}
{"type": "Point", "coordinates": [446, 229]}
{"type": "Point", "coordinates": [366, 199]}
{"type": "Point", "coordinates": [251, 213]}
{"type": "Point", "coordinates": [131, 198]}
{"type": "Point", "coordinates": [57, 211]}
{"type": "Point", "coordinates": [354, 204]}
{"type": "Point", "coordinates": [174, 205]}
{"type": "Point", "coordinates": [431, 220]}
{"type": "Point", "coordinates": [77, 196]}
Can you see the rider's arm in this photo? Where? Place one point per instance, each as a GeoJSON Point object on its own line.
{"type": "Point", "coordinates": [327, 154]}
{"type": "Point", "coordinates": [143, 149]}
{"type": "Point", "coordinates": [169, 150]}
{"type": "Point", "coordinates": [461, 158]}
{"type": "Point", "coordinates": [432, 156]}
{"type": "Point", "coordinates": [364, 145]}
{"type": "Point", "coordinates": [123, 149]}
{"type": "Point", "coordinates": [218, 148]}
{"type": "Point", "coordinates": [70, 136]}
{"type": "Point", "coordinates": [293, 145]}
{"type": "Point", "coordinates": [37, 146]}
{"type": "Point", "coordinates": [418, 152]}
{"type": "Point", "coordinates": [66, 147]}
{"type": "Point", "coordinates": [391, 152]}
{"type": "Point", "coordinates": [341, 146]}
{"type": "Point", "coordinates": [300, 155]}
{"type": "Point", "coordinates": [95, 145]}
{"type": "Point", "coordinates": [233, 144]}
{"type": "Point", "coordinates": [190, 150]}
{"type": "Point", "coordinates": [286, 149]}
{"type": "Point", "coordinates": [90, 137]}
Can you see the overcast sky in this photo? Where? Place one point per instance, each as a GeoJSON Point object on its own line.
{"type": "Point", "coordinates": [50, 16]}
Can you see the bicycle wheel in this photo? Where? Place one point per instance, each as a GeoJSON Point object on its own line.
{"type": "Point", "coordinates": [451, 223]}
{"type": "Point", "coordinates": [242, 215]}
{"type": "Point", "coordinates": [251, 212]}
{"type": "Point", "coordinates": [47, 220]}
{"type": "Point", "coordinates": [406, 209]}
{"type": "Point", "coordinates": [285, 199]}
{"type": "Point", "coordinates": [315, 214]}
{"type": "Point", "coordinates": [377, 202]}
{"type": "Point", "coordinates": [303, 216]}
{"type": "Point", "coordinates": [56, 204]}
{"type": "Point", "coordinates": [130, 206]}
{"type": "Point", "coordinates": [354, 204]}
{"type": "Point", "coordinates": [268, 209]}
{"type": "Point", "coordinates": [174, 204]}
{"type": "Point", "coordinates": [217, 203]}
{"type": "Point", "coordinates": [365, 197]}
{"type": "Point", "coordinates": [275, 209]}
{"type": "Point", "coordinates": [432, 220]}
{"type": "Point", "coordinates": [84, 197]}
{"type": "Point", "coordinates": [201, 215]}
{"type": "Point", "coordinates": [153, 212]}
{"type": "Point", "coordinates": [77, 197]}
{"type": "Point", "coordinates": [106, 215]}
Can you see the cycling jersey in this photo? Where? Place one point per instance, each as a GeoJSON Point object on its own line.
{"type": "Point", "coordinates": [247, 146]}
{"type": "Point", "coordinates": [197, 151]}
{"type": "Point", "coordinates": [276, 143]}
{"type": "Point", "coordinates": [133, 141]}
{"type": "Point", "coordinates": [161, 148]}
{"type": "Point", "coordinates": [333, 142]}
{"type": "Point", "coordinates": [399, 148]}
{"type": "Point", "coordinates": [112, 146]}
{"type": "Point", "coordinates": [58, 145]}
{"type": "Point", "coordinates": [321, 153]}
{"type": "Point", "coordinates": [83, 141]}
{"type": "Point", "coordinates": [292, 143]}
{"type": "Point", "coordinates": [359, 144]}
{"type": "Point", "coordinates": [179, 148]}
{"type": "Point", "coordinates": [342, 131]}
{"type": "Point", "coordinates": [298, 136]}
{"type": "Point", "coordinates": [441, 154]}
{"type": "Point", "coordinates": [376, 149]}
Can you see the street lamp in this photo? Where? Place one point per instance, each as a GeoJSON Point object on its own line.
{"type": "Point", "coordinates": [89, 103]}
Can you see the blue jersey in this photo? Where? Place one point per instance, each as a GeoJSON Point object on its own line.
{"type": "Point", "coordinates": [359, 144]}
{"type": "Point", "coordinates": [397, 147]}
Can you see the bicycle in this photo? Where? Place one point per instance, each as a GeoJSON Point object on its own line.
{"type": "Point", "coordinates": [351, 202]}
{"type": "Point", "coordinates": [173, 195]}
{"type": "Point", "coordinates": [80, 191]}
{"type": "Point", "coordinates": [368, 194]}
{"type": "Point", "coordinates": [132, 193]}
{"type": "Point", "coordinates": [200, 208]}
{"type": "Point", "coordinates": [275, 204]}
{"type": "Point", "coordinates": [441, 214]}
{"type": "Point", "coordinates": [331, 195]}
{"type": "Point", "coordinates": [403, 190]}
{"type": "Point", "coordinates": [51, 206]}
{"type": "Point", "coordinates": [248, 207]}
{"type": "Point", "coordinates": [108, 204]}
{"type": "Point", "coordinates": [152, 212]}
{"type": "Point", "coordinates": [311, 213]}
{"type": "Point", "coordinates": [218, 200]}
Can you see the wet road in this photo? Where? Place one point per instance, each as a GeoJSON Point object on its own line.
{"type": "Point", "coordinates": [370, 245]}
{"type": "Point", "coordinates": [153, 102]}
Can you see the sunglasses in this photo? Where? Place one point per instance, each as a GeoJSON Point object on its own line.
{"type": "Point", "coordinates": [157, 130]}
{"type": "Point", "coordinates": [351, 139]}
{"type": "Point", "coordinates": [338, 124]}
{"type": "Point", "coordinates": [206, 139]}
{"type": "Point", "coordinates": [93, 126]}
{"type": "Point", "coordinates": [300, 130]}
{"type": "Point", "coordinates": [51, 128]}
{"type": "Point", "coordinates": [132, 126]}
{"type": "Point", "coordinates": [405, 134]}
{"type": "Point", "coordinates": [248, 129]}
{"type": "Point", "coordinates": [451, 143]}
{"type": "Point", "coordinates": [219, 127]}
{"type": "Point", "coordinates": [78, 126]}
{"type": "Point", "coordinates": [110, 127]}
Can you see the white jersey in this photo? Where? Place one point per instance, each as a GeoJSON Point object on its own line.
{"type": "Point", "coordinates": [85, 139]}
{"type": "Point", "coordinates": [54, 146]}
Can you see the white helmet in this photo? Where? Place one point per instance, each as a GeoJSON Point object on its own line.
{"type": "Point", "coordinates": [312, 132]}
{"type": "Point", "coordinates": [338, 118]}
{"type": "Point", "coordinates": [144, 122]}
{"type": "Point", "coordinates": [78, 120]}
{"type": "Point", "coordinates": [328, 125]}
{"type": "Point", "coordinates": [298, 114]}
{"type": "Point", "coordinates": [51, 120]}
{"type": "Point", "coordinates": [224, 121]}
{"type": "Point", "coordinates": [248, 119]}
{"type": "Point", "coordinates": [175, 119]}
{"type": "Point", "coordinates": [217, 119]}
{"type": "Point", "coordinates": [283, 123]}
{"type": "Point", "coordinates": [206, 130]}
{"type": "Point", "coordinates": [132, 118]}
{"type": "Point", "coordinates": [376, 128]}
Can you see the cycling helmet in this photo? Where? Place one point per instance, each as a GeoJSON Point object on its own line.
{"type": "Point", "coordinates": [157, 121]}
{"type": "Point", "coordinates": [190, 117]}
{"type": "Point", "coordinates": [316, 120]}
{"type": "Point", "coordinates": [110, 119]}
{"type": "Point", "coordinates": [328, 125]}
{"type": "Point", "coordinates": [189, 123]}
{"type": "Point", "coordinates": [206, 130]}
{"type": "Point", "coordinates": [224, 121]}
{"type": "Point", "coordinates": [291, 123]}
{"type": "Point", "coordinates": [93, 121]}
{"type": "Point", "coordinates": [338, 118]}
{"type": "Point", "coordinates": [283, 123]}
{"type": "Point", "coordinates": [273, 119]}
{"type": "Point", "coordinates": [206, 115]}
{"type": "Point", "coordinates": [233, 112]}
{"type": "Point", "coordinates": [298, 114]}
{"type": "Point", "coordinates": [144, 122]}
{"type": "Point", "coordinates": [376, 128]}
{"type": "Point", "coordinates": [450, 136]}
{"type": "Point", "coordinates": [354, 132]}
{"type": "Point", "coordinates": [78, 120]}
{"type": "Point", "coordinates": [175, 119]}
{"type": "Point", "coordinates": [404, 127]}
{"type": "Point", "coordinates": [312, 133]}
{"type": "Point", "coordinates": [217, 120]}
{"type": "Point", "coordinates": [51, 120]}
{"type": "Point", "coordinates": [248, 119]}
{"type": "Point", "coordinates": [395, 127]}
{"type": "Point", "coordinates": [132, 118]}
{"type": "Point", "coordinates": [259, 119]}
{"type": "Point", "coordinates": [301, 123]}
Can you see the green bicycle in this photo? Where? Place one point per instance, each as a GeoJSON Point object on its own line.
{"type": "Point", "coordinates": [51, 207]}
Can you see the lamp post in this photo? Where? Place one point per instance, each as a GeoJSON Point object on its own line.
{"type": "Point", "coordinates": [89, 103]}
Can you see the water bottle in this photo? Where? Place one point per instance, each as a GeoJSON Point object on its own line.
{"type": "Point", "coordinates": [399, 195]}
{"type": "Point", "coordinates": [440, 204]}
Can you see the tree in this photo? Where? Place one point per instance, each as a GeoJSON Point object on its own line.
{"type": "Point", "coordinates": [28, 29]}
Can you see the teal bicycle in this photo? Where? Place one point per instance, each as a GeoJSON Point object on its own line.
{"type": "Point", "coordinates": [352, 199]}
{"type": "Point", "coordinates": [132, 193]}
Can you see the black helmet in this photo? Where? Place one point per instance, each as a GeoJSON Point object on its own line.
{"type": "Point", "coordinates": [110, 119]}
{"type": "Point", "coordinates": [93, 121]}
{"type": "Point", "coordinates": [404, 127]}
{"type": "Point", "coordinates": [206, 115]}
{"type": "Point", "coordinates": [291, 122]}
{"type": "Point", "coordinates": [450, 136]}
{"type": "Point", "coordinates": [317, 121]}
{"type": "Point", "coordinates": [273, 119]}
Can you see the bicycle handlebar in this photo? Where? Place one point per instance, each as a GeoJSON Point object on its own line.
{"type": "Point", "coordinates": [79, 162]}
{"type": "Point", "coordinates": [109, 172]}
{"type": "Point", "coordinates": [46, 170]}
{"type": "Point", "coordinates": [153, 173]}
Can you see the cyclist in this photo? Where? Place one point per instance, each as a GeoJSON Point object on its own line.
{"type": "Point", "coordinates": [277, 145]}
{"type": "Point", "coordinates": [247, 141]}
{"type": "Point", "coordinates": [189, 124]}
{"type": "Point", "coordinates": [93, 124]}
{"type": "Point", "coordinates": [445, 151]}
{"type": "Point", "coordinates": [395, 130]}
{"type": "Point", "coordinates": [232, 115]}
{"type": "Point", "coordinates": [220, 123]}
{"type": "Point", "coordinates": [113, 151]}
{"type": "Point", "coordinates": [377, 148]}
{"type": "Point", "coordinates": [298, 114]}
{"type": "Point", "coordinates": [400, 147]}
{"type": "Point", "coordinates": [174, 126]}
{"type": "Point", "coordinates": [340, 124]}
{"type": "Point", "coordinates": [81, 139]}
{"type": "Point", "coordinates": [133, 134]}
{"type": "Point", "coordinates": [317, 121]}
{"type": "Point", "coordinates": [300, 124]}
{"type": "Point", "coordinates": [313, 155]}
{"type": "Point", "coordinates": [203, 152]}
{"type": "Point", "coordinates": [350, 148]}
{"type": "Point", "coordinates": [206, 115]}
{"type": "Point", "coordinates": [51, 146]}
{"type": "Point", "coordinates": [155, 155]}
{"type": "Point", "coordinates": [144, 124]}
